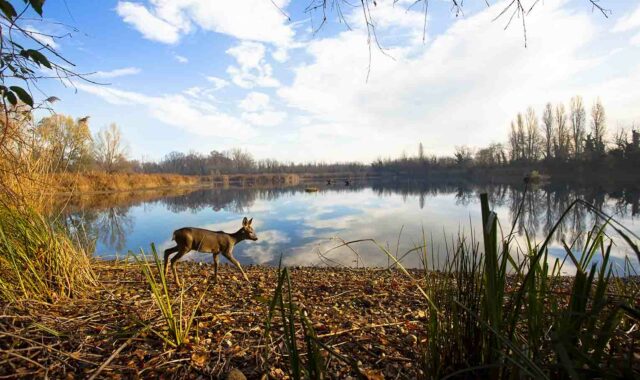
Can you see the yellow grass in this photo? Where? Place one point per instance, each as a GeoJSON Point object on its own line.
{"type": "Point", "coordinates": [104, 182]}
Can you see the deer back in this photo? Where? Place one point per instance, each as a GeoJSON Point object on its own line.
{"type": "Point", "coordinates": [199, 239]}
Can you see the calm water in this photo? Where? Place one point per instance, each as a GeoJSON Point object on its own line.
{"type": "Point", "coordinates": [302, 226]}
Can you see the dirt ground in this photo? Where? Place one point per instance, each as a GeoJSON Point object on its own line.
{"type": "Point", "coordinates": [374, 316]}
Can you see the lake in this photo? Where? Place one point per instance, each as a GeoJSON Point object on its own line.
{"type": "Point", "coordinates": [302, 227]}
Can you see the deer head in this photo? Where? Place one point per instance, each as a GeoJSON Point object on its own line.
{"type": "Point", "coordinates": [247, 231]}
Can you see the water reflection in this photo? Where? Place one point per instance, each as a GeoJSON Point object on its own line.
{"type": "Point", "coordinates": [298, 225]}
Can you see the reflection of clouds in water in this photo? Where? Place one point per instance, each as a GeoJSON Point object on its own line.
{"type": "Point", "coordinates": [296, 223]}
{"type": "Point", "coordinates": [267, 248]}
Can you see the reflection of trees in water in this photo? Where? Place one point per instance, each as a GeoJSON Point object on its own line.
{"type": "Point", "coordinates": [111, 226]}
{"type": "Point", "coordinates": [541, 206]}
{"type": "Point", "coordinates": [236, 200]}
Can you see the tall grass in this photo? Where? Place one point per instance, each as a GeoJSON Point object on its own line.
{"type": "Point", "coordinates": [39, 260]}
{"type": "Point", "coordinates": [505, 313]}
{"type": "Point", "coordinates": [176, 322]}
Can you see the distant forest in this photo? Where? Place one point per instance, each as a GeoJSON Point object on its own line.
{"type": "Point", "coordinates": [565, 142]}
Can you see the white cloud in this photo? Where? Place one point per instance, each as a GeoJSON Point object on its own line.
{"type": "Point", "coordinates": [117, 72]}
{"type": "Point", "coordinates": [253, 70]}
{"type": "Point", "coordinates": [264, 118]}
{"type": "Point", "coordinates": [41, 37]}
{"type": "Point", "coordinates": [628, 22]}
{"type": "Point", "coordinates": [259, 111]}
{"type": "Point", "coordinates": [635, 40]}
{"type": "Point", "coordinates": [255, 101]}
{"type": "Point", "coordinates": [461, 88]}
{"type": "Point", "coordinates": [280, 55]}
{"type": "Point", "coordinates": [166, 20]}
{"type": "Point", "coordinates": [198, 93]}
{"type": "Point", "coordinates": [151, 26]}
{"type": "Point", "coordinates": [197, 117]}
{"type": "Point", "coordinates": [218, 83]}
{"type": "Point", "coordinates": [181, 59]}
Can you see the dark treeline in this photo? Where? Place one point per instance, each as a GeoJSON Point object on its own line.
{"type": "Point", "coordinates": [238, 161]}
{"type": "Point", "coordinates": [564, 142]}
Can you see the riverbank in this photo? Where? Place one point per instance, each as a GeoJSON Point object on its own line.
{"type": "Point", "coordinates": [100, 182]}
{"type": "Point", "coordinates": [377, 321]}
{"type": "Point", "coordinates": [371, 315]}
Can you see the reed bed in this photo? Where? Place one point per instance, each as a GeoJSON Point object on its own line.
{"type": "Point", "coordinates": [39, 260]}
{"type": "Point", "coordinates": [88, 182]}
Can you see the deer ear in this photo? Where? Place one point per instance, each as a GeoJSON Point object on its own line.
{"type": "Point", "coordinates": [250, 220]}
{"type": "Point", "coordinates": [244, 221]}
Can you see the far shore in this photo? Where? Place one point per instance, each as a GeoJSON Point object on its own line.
{"type": "Point", "coordinates": [97, 183]}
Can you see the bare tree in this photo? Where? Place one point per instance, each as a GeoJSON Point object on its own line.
{"type": "Point", "coordinates": [110, 149]}
{"type": "Point", "coordinates": [547, 122]}
{"type": "Point", "coordinates": [420, 152]}
{"type": "Point", "coordinates": [521, 137]}
{"type": "Point", "coordinates": [562, 140]}
{"type": "Point", "coordinates": [598, 126]}
{"type": "Point", "coordinates": [533, 136]}
{"type": "Point", "coordinates": [578, 120]}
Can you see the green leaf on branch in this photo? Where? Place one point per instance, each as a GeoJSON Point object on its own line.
{"type": "Point", "coordinates": [7, 9]}
{"type": "Point", "coordinates": [11, 97]}
{"type": "Point", "coordinates": [37, 5]}
{"type": "Point", "coordinates": [23, 95]}
{"type": "Point", "coordinates": [36, 57]}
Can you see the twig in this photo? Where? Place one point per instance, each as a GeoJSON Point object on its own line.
{"type": "Point", "coordinates": [115, 353]}
{"type": "Point", "coordinates": [363, 328]}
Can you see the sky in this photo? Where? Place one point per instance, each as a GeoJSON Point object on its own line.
{"type": "Point", "coordinates": [267, 77]}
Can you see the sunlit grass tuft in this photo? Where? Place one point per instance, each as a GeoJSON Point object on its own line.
{"type": "Point", "coordinates": [177, 323]}
{"type": "Point", "coordinates": [38, 260]}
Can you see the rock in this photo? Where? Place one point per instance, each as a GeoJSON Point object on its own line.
{"type": "Point", "coordinates": [235, 374]}
{"type": "Point", "coordinates": [411, 340]}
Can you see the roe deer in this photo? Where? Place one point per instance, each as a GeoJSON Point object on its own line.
{"type": "Point", "coordinates": [198, 239]}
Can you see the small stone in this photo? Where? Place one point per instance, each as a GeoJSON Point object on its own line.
{"type": "Point", "coordinates": [235, 374]}
{"type": "Point", "coordinates": [411, 340]}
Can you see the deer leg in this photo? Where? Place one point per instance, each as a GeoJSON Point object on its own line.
{"type": "Point", "coordinates": [237, 264]}
{"type": "Point", "coordinates": [174, 264]}
{"type": "Point", "coordinates": [216, 259]}
{"type": "Point", "coordinates": [167, 253]}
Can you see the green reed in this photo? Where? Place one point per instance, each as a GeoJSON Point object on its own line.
{"type": "Point", "coordinates": [176, 322]}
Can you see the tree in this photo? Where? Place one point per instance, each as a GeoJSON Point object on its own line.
{"type": "Point", "coordinates": [110, 149]}
{"type": "Point", "coordinates": [578, 116]}
{"type": "Point", "coordinates": [562, 140]}
{"type": "Point", "coordinates": [547, 135]}
{"type": "Point", "coordinates": [420, 152]}
{"type": "Point", "coordinates": [65, 141]}
{"type": "Point", "coordinates": [598, 127]}
{"type": "Point", "coordinates": [27, 57]}
{"type": "Point", "coordinates": [533, 136]}
{"type": "Point", "coordinates": [463, 155]}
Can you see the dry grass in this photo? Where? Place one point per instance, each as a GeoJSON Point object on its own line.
{"type": "Point", "coordinates": [39, 260]}
{"type": "Point", "coordinates": [105, 182]}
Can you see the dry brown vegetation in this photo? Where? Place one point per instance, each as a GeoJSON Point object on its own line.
{"type": "Point", "coordinates": [371, 315]}
{"type": "Point", "coordinates": [106, 182]}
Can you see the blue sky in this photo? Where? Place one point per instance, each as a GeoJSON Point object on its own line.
{"type": "Point", "coordinates": [211, 75]}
